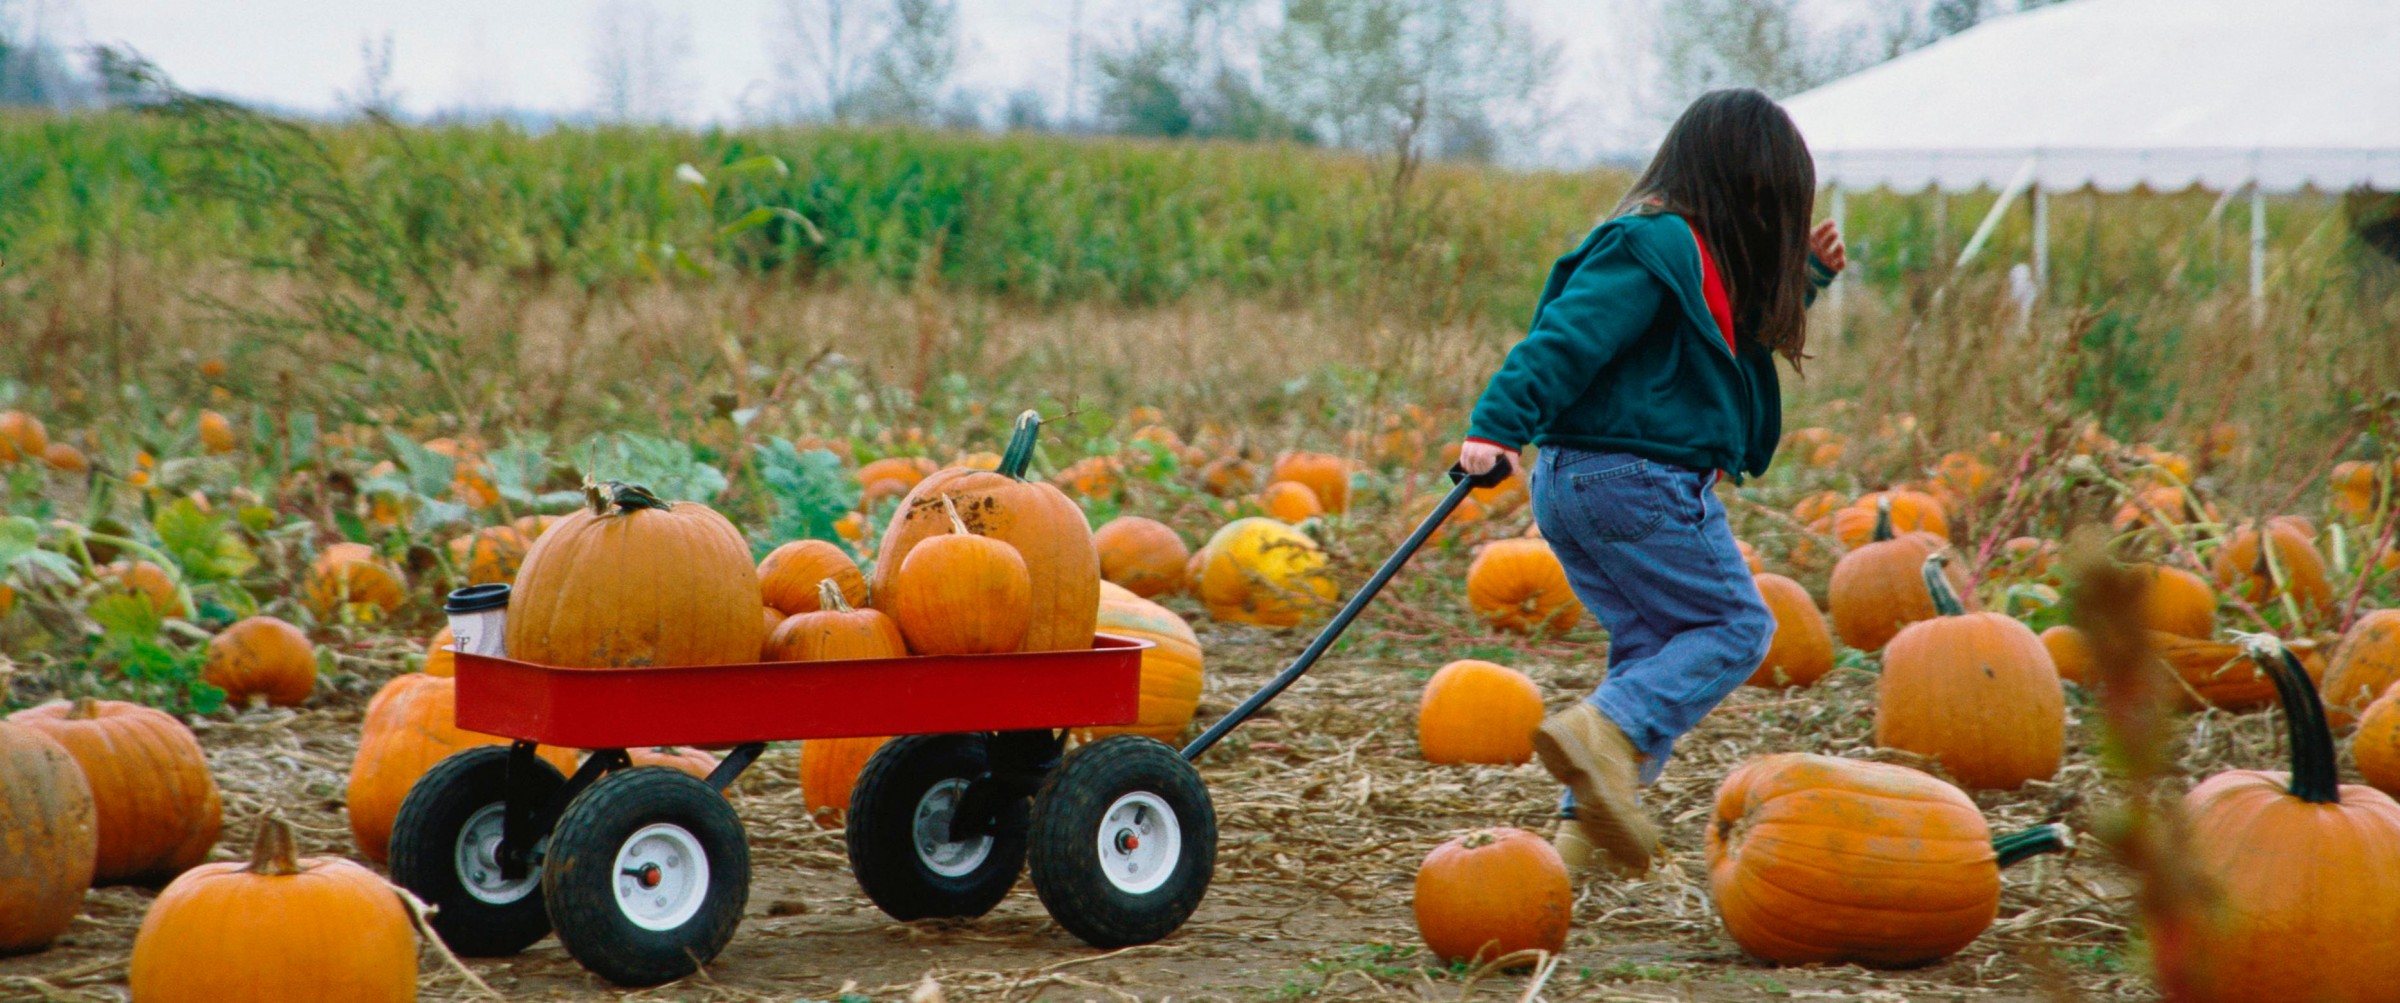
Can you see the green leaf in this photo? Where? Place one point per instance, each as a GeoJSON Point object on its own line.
{"type": "Point", "coordinates": [668, 467]}
{"type": "Point", "coordinates": [123, 616]}
{"type": "Point", "coordinates": [764, 163]}
{"type": "Point", "coordinates": [762, 215]}
{"type": "Point", "coordinates": [200, 544]}
{"type": "Point", "coordinates": [428, 473]}
{"type": "Point", "coordinates": [811, 492]}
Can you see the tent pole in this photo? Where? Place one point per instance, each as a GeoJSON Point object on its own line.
{"type": "Point", "coordinates": [2008, 197]}
{"type": "Point", "coordinates": [2041, 240]}
{"type": "Point", "coordinates": [2258, 256]}
{"type": "Point", "coordinates": [1840, 209]}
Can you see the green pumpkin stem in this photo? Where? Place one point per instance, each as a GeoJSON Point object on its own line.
{"type": "Point", "coordinates": [272, 853]}
{"type": "Point", "coordinates": [830, 598]}
{"type": "Point", "coordinates": [2316, 777]}
{"type": "Point", "coordinates": [601, 496]}
{"type": "Point", "coordinates": [1883, 516]}
{"type": "Point", "coordinates": [1018, 458]}
{"type": "Point", "coordinates": [2017, 847]}
{"type": "Point", "coordinates": [1945, 598]}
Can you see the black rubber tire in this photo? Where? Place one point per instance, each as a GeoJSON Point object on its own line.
{"type": "Point", "coordinates": [424, 850]}
{"type": "Point", "coordinates": [881, 832]}
{"type": "Point", "coordinates": [1067, 817]}
{"type": "Point", "coordinates": [579, 878]}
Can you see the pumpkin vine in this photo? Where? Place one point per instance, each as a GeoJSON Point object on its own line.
{"type": "Point", "coordinates": [2315, 777]}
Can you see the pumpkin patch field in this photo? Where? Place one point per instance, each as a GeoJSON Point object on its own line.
{"type": "Point", "coordinates": [2086, 674]}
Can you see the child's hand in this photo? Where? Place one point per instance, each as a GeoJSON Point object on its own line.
{"type": "Point", "coordinates": [1478, 458]}
{"type": "Point", "coordinates": [1826, 243]}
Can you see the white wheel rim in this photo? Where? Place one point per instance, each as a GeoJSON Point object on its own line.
{"type": "Point", "coordinates": [477, 857]}
{"type": "Point", "coordinates": [1140, 843]}
{"type": "Point", "coordinates": [661, 876]}
{"type": "Point", "coordinates": [950, 858]}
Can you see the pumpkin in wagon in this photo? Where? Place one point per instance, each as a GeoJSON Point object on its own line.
{"type": "Point", "coordinates": [833, 631]}
{"type": "Point", "coordinates": [962, 594]}
{"type": "Point", "coordinates": [788, 577]}
{"type": "Point", "coordinates": [630, 581]}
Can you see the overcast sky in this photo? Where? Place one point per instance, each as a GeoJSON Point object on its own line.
{"type": "Point", "coordinates": [536, 55]}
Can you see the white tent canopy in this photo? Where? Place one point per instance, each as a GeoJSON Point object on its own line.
{"type": "Point", "coordinates": [2117, 93]}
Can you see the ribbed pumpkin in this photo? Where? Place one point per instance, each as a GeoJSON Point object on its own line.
{"type": "Point", "coordinates": [276, 927]}
{"type": "Point", "coordinates": [963, 594]}
{"type": "Point", "coordinates": [411, 724]}
{"type": "Point", "coordinates": [788, 576]}
{"type": "Point", "coordinates": [829, 768]}
{"type": "Point", "coordinates": [439, 659]}
{"type": "Point", "coordinates": [1817, 860]}
{"type": "Point", "coordinates": [833, 631]}
{"type": "Point", "coordinates": [908, 470]}
{"type": "Point", "coordinates": [631, 581]}
{"type": "Point", "coordinates": [2376, 746]}
{"type": "Point", "coordinates": [1802, 651]}
{"type": "Point", "coordinates": [1492, 893]}
{"type": "Point", "coordinates": [21, 437]}
{"type": "Point", "coordinates": [1171, 671]}
{"type": "Point", "coordinates": [2070, 653]}
{"type": "Point", "coordinates": [1976, 691]}
{"type": "Point", "coordinates": [1325, 474]}
{"type": "Point", "coordinates": [1478, 712]}
{"type": "Point", "coordinates": [2289, 859]}
{"type": "Point", "coordinates": [696, 762]}
{"type": "Point", "coordinates": [48, 839]}
{"type": "Point", "coordinates": [1880, 587]}
{"type": "Point", "coordinates": [1911, 512]}
{"type": "Point", "coordinates": [142, 578]}
{"type": "Point", "coordinates": [2366, 663]}
{"type": "Point", "coordinates": [2219, 673]}
{"type": "Point", "coordinates": [1290, 501]}
{"type": "Point", "coordinates": [155, 803]}
{"type": "Point", "coordinates": [1047, 529]}
{"type": "Point", "coordinates": [2241, 566]}
{"type": "Point", "coordinates": [1142, 555]}
{"type": "Point", "coordinates": [1263, 572]}
{"type": "Point", "coordinates": [2355, 489]}
{"type": "Point", "coordinates": [2179, 602]}
{"type": "Point", "coordinates": [351, 576]}
{"type": "Point", "coordinates": [489, 555]}
{"type": "Point", "coordinates": [265, 658]}
{"type": "Point", "coordinates": [1518, 585]}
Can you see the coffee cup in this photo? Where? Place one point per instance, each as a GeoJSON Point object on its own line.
{"type": "Point", "coordinates": [479, 620]}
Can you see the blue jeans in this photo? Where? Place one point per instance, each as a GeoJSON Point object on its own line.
{"type": "Point", "coordinates": [1647, 550]}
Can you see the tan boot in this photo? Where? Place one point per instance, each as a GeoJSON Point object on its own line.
{"type": "Point", "coordinates": [1575, 851]}
{"type": "Point", "coordinates": [1588, 753]}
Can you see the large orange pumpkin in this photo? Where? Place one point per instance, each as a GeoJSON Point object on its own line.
{"type": "Point", "coordinates": [2285, 859]}
{"type": "Point", "coordinates": [1492, 893]}
{"type": "Point", "coordinates": [351, 577]}
{"type": "Point", "coordinates": [1142, 555]}
{"type": "Point", "coordinates": [1171, 669]}
{"type": "Point", "coordinates": [1911, 512]}
{"type": "Point", "coordinates": [2179, 602]}
{"type": "Point", "coordinates": [1817, 860]}
{"type": "Point", "coordinates": [788, 576]}
{"type": "Point", "coordinates": [962, 594]}
{"type": "Point", "coordinates": [1802, 651]}
{"type": "Point", "coordinates": [829, 769]}
{"type": "Point", "coordinates": [276, 927]}
{"type": "Point", "coordinates": [1047, 529]}
{"type": "Point", "coordinates": [629, 580]}
{"type": "Point", "coordinates": [262, 657]}
{"type": "Point", "coordinates": [1976, 691]}
{"type": "Point", "coordinates": [2366, 663]}
{"type": "Point", "coordinates": [1290, 501]}
{"type": "Point", "coordinates": [1477, 712]}
{"type": "Point", "coordinates": [48, 839]}
{"type": "Point", "coordinates": [1519, 585]}
{"type": "Point", "coordinates": [1263, 572]}
{"type": "Point", "coordinates": [1880, 587]}
{"type": "Point", "coordinates": [833, 632]}
{"type": "Point", "coordinates": [155, 803]}
{"type": "Point", "coordinates": [2243, 567]}
{"type": "Point", "coordinates": [411, 724]}
{"type": "Point", "coordinates": [1325, 474]}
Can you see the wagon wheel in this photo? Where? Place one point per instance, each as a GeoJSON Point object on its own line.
{"type": "Point", "coordinates": [1124, 842]}
{"type": "Point", "coordinates": [903, 848]}
{"type": "Point", "coordinates": [646, 876]}
{"type": "Point", "coordinates": [444, 847]}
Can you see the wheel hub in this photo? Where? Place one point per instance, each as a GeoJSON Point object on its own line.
{"type": "Point", "coordinates": [477, 858]}
{"type": "Point", "coordinates": [930, 833]}
{"type": "Point", "coordinates": [662, 876]}
{"type": "Point", "coordinates": [1140, 843]}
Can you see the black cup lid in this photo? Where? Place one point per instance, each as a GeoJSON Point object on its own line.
{"type": "Point", "coordinates": [477, 598]}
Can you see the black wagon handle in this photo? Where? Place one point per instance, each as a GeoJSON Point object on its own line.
{"type": "Point", "coordinates": [1461, 483]}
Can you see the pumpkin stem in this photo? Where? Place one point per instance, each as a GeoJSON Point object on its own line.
{"type": "Point", "coordinates": [1883, 516]}
{"type": "Point", "coordinates": [1479, 839]}
{"type": "Point", "coordinates": [957, 525]}
{"type": "Point", "coordinates": [2316, 778]}
{"type": "Point", "coordinates": [1019, 455]}
{"type": "Point", "coordinates": [829, 596]}
{"type": "Point", "coordinates": [2017, 847]}
{"type": "Point", "coordinates": [272, 853]}
{"type": "Point", "coordinates": [1945, 598]}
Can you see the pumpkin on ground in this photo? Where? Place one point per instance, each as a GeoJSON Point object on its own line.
{"type": "Point", "coordinates": [1228, 477]}
{"type": "Point", "coordinates": [2365, 663]}
{"type": "Point", "coordinates": [1750, 556]}
{"type": "Point", "coordinates": [1325, 474]}
{"type": "Point", "coordinates": [1171, 668]}
{"type": "Point", "coordinates": [1290, 501]}
{"type": "Point", "coordinates": [2248, 570]}
{"type": "Point", "coordinates": [2221, 676]}
{"type": "Point", "coordinates": [2286, 859]}
{"type": "Point", "coordinates": [1911, 512]}
{"type": "Point", "coordinates": [1976, 691]}
{"type": "Point", "coordinates": [439, 659]}
{"type": "Point", "coordinates": [22, 437]}
{"type": "Point", "coordinates": [906, 470]}
{"type": "Point", "coordinates": [411, 724]}
{"type": "Point", "coordinates": [216, 434]}
{"type": "Point", "coordinates": [156, 806]}
{"type": "Point", "coordinates": [1091, 477]}
{"type": "Point", "coordinates": [1880, 587]}
{"type": "Point", "coordinates": [149, 581]}
{"type": "Point", "coordinates": [351, 577]}
{"type": "Point", "coordinates": [1818, 860]}
{"type": "Point", "coordinates": [1263, 572]}
{"type": "Point", "coordinates": [262, 657]}
{"type": "Point", "coordinates": [1046, 527]}
{"type": "Point", "coordinates": [833, 632]}
{"type": "Point", "coordinates": [65, 458]}
{"type": "Point", "coordinates": [1478, 712]}
{"type": "Point", "coordinates": [1802, 651]}
{"type": "Point", "coordinates": [2179, 602]}
{"type": "Point", "coordinates": [276, 927]}
{"type": "Point", "coordinates": [488, 556]}
{"type": "Point", "coordinates": [829, 769]}
{"type": "Point", "coordinates": [2356, 489]}
{"type": "Point", "coordinates": [48, 839]}
{"type": "Point", "coordinates": [629, 580]}
{"type": "Point", "coordinates": [2376, 746]}
{"type": "Point", "coordinates": [963, 594]}
{"type": "Point", "coordinates": [1519, 585]}
{"type": "Point", "coordinates": [788, 576]}
{"type": "Point", "coordinates": [1142, 555]}
{"type": "Point", "coordinates": [2070, 653]}
{"type": "Point", "coordinates": [1492, 893]}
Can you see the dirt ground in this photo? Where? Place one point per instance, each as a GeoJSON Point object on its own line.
{"type": "Point", "coordinates": [1325, 811]}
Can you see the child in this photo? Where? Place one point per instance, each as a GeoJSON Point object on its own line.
{"type": "Point", "coordinates": [1649, 373]}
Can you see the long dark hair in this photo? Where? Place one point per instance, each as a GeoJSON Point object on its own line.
{"type": "Point", "coordinates": [1735, 168]}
